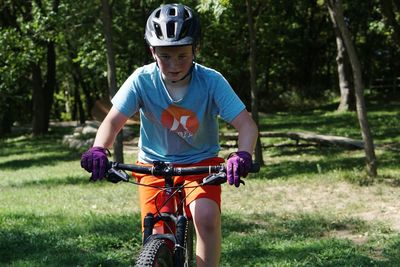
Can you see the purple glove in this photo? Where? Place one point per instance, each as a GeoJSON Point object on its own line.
{"type": "Point", "coordinates": [95, 161]}
{"type": "Point", "coordinates": [238, 165]}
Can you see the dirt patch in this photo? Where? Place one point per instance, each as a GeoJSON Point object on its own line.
{"type": "Point", "coordinates": [358, 239]}
{"type": "Point", "coordinates": [378, 203]}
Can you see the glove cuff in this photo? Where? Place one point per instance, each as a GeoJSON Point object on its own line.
{"type": "Point", "coordinates": [101, 149]}
{"type": "Point", "coordinates": [242, 154]}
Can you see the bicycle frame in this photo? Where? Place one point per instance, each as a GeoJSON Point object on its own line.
{"type": "Point", "coordinates": [169, 247]}
{"type": "Point", "coordinates": [175, 222]}
{"type": "Point", "coordinates": [170, 211]}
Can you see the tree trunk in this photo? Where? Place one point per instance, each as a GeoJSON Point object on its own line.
{"type": "Point", "coordinates": [77, 76]}
{"type": "Point", "coordinates": [253, 75]}
{"type": "Point", "coordinates": [6, 121]}
{"type": "Point", "coordinates": [347, 96]}
{"type": "Point", "coordinates": [78, 112]}
{"type": "Point", "coordinates": [336, 14]}
{"type": "Point", "coordinates": [38, 101]}
{"type": "Point", "coordinates": [396, 3]}
{"type": "Point", "coordinates": [43, 95]}
{"type": "Point", "coordinates": [80, 82]}
{"type": "Point", "coordinates": [389, 16]}
{"type": "Point", "coordinates": [111, 73]}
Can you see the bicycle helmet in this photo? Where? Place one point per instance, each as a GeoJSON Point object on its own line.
{"type": "Point", "coordinates": [172, 25]}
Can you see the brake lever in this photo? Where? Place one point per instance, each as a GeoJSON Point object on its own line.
{"type": "Point", "coordinates": [216, 179]}
{"type": "Point", "coordinates": [113, 175]}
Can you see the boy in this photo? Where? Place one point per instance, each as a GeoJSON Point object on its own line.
{"type": "Point", "coordinates": [179, 101]}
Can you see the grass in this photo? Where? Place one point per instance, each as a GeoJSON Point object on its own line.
{"type": "Point", "coordinates": [52, 216]}
{"type": "Point", "coordinates": [305, 208]}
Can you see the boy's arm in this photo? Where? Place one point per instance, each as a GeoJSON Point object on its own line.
{"type": "Point", "coordinates": [239, 163]}
{"type": "Point", "coordinates": [247, 130]}
{"type": "Point", "coordinates": [95, 159]}
{"type": "Point", "coordinates": [109, 128]}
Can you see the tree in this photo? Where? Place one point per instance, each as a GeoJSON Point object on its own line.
{"type": "Point", "coordinates": [30, 61]}
{"type": "Point", "coordinates": [15, 58]}
{"type": "Point", "coordinates": [244, 51]}
{"type": "Point", "coordinates": [336, 13]}
{"type": "Point", "coordinates": [253, 77]}
{"type": "Point", "coordinates": [111, 73]}
{"type": "Point", "coordinates": [347, 95]}
{"type": "Point", "coordinates": [346, 86]}
{"type": "Point", "coordinates": [387, 9]}
{"type": "Point", "coordinates": [82, 58]}
{"type": "Point", "coordinates": [43, 91]}
{"type": "Point", "coordinates": [290, 35]}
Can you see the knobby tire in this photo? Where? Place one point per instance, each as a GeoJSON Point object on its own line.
{"type": "Point", "coordinates": [189, 244]}
{"type": "Point", "coordinates": [155, 253]}
{"type": "Point", "coordinates": [183, 256]}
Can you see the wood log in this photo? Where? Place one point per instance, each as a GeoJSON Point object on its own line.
{"type": "Point", "coordinates": [319, 139]}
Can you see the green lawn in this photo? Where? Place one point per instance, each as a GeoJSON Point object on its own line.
{"type": "Point", "coordinates": [305, 208]}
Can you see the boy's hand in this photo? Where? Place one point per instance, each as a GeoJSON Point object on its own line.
{"type": "Point", "coordinates": [95, 161]}
{"type": "Point", "coordinates": [238, 165]}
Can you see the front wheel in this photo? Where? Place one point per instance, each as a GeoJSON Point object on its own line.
{"type": "Point", "coordinates": [189, 244]}
{"type": "Point", "coordinates": [155, 253]}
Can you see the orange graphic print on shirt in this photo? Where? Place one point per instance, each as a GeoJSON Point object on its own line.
{"type": "Point", "coordinates": [182, 121]}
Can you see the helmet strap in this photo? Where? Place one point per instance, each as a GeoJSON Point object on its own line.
{"type": "Point", "coordinates": [186, 75]}
{"type": "Point", "coordinates": [191, 68]}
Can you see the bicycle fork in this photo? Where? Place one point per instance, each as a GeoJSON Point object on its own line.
{"type": "Point", "coordinates": [174, 223]}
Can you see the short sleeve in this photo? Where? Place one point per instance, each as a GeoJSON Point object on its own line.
{"type": "Point", "coordinates": [228, 102]}
{"type": "Point", "coordinates": [126, 100]}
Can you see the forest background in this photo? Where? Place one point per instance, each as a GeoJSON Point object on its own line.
{"type": "Point", "coordinates": [54, 55]}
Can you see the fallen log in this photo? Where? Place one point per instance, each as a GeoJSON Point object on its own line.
{"type": "Point", "coordinates": [319, 139]}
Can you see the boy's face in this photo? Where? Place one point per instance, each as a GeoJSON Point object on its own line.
{"type": "Point", "coordinates": [174, 62]}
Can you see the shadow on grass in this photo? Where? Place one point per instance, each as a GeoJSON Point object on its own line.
{"type": "Point", "coordinates": [289, 169]}
{"type": "Point", "coordinates": [326, 121]}
{"type": "Point", "coordinates": [254, 240]}
{"type": "Point", "coordinates": [20, 144]}
{"type": "Point", "coordinates": [49, 159]}
{"type": "Point", "coordinates": [332, 159]}
{"type": "Point", "coordinates": [269, 240]}
{"type": "Point", "coordinates": [307, 120]}
{"type": "Point", "coordinates": [68, 180]}
{"type": "Point", "coordinates": [36, 151]}
{"type": "Point", "coordinates": [389, 159]}
{"type": "Point", "coordinates": [52, 182]}
{"type": "Point", "coordinates": [29, 240]}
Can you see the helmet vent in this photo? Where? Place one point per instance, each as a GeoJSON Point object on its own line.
{"type": "Point", "coordinates": [171, 29]}
{"type": "Point", "coordinates": [157, 15]}
{"type": "Point", "coordinates": [186, 14]}
{"type": "Point", "coordinates": [158, 31]}
{"type": "Point", "coordinates": [172, 12]}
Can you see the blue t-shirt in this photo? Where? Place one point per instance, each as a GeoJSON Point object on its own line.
{"type": "Point", "coordinates": [184, 131]}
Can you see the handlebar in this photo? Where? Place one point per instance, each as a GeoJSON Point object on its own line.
{"type": "Point", "coordinates": [217, 173]}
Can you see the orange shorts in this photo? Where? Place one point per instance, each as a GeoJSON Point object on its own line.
{"type": "Point", "coordinates": [148, 195]}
